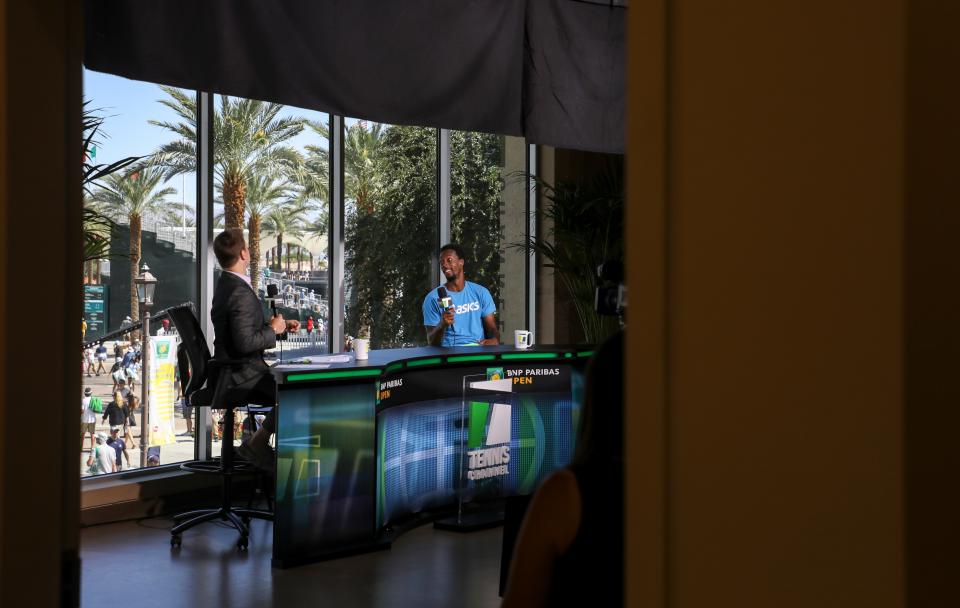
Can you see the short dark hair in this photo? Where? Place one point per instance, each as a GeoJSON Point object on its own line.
{"type": "Point", "coordinates": [457, 249]}
{"type": "Point", "coordinates": [228, 245]}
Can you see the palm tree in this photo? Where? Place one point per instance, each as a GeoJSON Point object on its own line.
{"type": "Point", "coordinates": [317, 229]}
{"type": "Point", "coordinates": [361, 148]}
{"type": "Point", "coordinates": [286, 220]}
{"type": "Point", "coordinates": [180, 215]}
{"type": "Point", "coordinates": [247, 140]}
{"type": "Point", "coordinates": [263, 195]}
{"type": "Point", "coordinates": [96, 225]}
{"type": "Point", "coordinates": [315, 180]}
{"type": "Point", "coordinates": [133, 194]}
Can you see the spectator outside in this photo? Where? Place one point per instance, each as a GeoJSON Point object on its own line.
{"type": "Point", "coordinates": [129, 420]}
{"type": "Point", "coordinates": [88, 417]}
{"type": "Point", "coordinates": [187, 413]}
{"type": "Point", "coordinates": [90, 360]}
{"type": "Point", "coordinates": [102, 457]}
{"type": "Point", "coordinates": [153, 456]}
{"type": "Point", "coordinates": [119, 447]}
{"type": "Point", "coordinates": [118, 374]}
{"type": "Point", "coordinates": [101, 354]}
{"type": "Point", "coordinates": [131, 368]}
{"type": "Point", "coordinates": [84, 328]}
{"type": "Point", "coordinates": [114, 414]}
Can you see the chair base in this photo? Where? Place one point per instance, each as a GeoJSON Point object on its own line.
{"type": "Point", "coordinates": [238, 517]}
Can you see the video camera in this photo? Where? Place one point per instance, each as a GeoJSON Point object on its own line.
{"type": "Point", "coordinates": [610, 297]}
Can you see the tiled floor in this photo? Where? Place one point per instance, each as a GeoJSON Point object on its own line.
{"type": "Point", "coordinates": [132, 564]}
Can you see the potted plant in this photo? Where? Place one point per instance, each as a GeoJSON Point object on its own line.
{"type": "Point", "coordinates": [586, 230]}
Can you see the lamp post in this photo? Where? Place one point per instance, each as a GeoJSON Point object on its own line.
{"type": "Point", "coordinates": [146, 284]}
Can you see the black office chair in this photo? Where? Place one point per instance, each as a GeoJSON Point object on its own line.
{"type": "Point", "coordinates": [194, 362]}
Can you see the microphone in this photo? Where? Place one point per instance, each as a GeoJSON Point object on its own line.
{"type": "Point", "coordinates": [272, 293]}
{"type": "Point", "coordinates": [446, 302]}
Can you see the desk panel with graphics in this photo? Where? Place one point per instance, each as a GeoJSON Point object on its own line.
{"type": "Point", "coordinates": [362, 445]}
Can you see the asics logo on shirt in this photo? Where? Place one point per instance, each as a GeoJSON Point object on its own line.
{"type": "Point", "coordinates": [471, 307]}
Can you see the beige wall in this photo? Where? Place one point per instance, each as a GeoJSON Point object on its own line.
{"type": "Point", "coordinates": [512, 313]}
{"type": "Point", "coordinates": [783, 220]}
{"type": "Point", "coordinates": [39, 178]}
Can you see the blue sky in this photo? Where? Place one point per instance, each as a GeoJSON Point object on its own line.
{"type": "Point", "coordinates": [127, 105]}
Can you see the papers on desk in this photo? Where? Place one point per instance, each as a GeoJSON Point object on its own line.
{"type": "Point", "coordinates": [303, 362]}
{"type": "Point", "coordinates": [318, 360]}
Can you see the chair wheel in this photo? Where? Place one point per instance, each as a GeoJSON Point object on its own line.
{"type": "Point", "coordinates": [242, 543]}
{"type": "Point", "coordinates": [176, 540]}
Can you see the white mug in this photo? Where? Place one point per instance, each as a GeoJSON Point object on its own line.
{"type": "Point", "coordinates": [361, 348]}
{"type": "Point", "coordinates": [522, 338]}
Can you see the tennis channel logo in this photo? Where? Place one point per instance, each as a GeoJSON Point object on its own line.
{"type": "Point", "coordinates": [488, 441]}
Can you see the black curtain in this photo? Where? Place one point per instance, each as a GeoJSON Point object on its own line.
{"type": "Point", "coordinates": [551, 70]}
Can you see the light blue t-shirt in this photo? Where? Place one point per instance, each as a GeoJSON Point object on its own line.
{"type": "Point", "coordinates": [472, 305]}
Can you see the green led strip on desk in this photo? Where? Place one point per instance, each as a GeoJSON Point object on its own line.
{"type": "Point", "coordinates": [516, 356]}
{"type": "Point", "coordinates": [463, 358]}
{"type": "Point", "coordinates": [350, 373]}
{"type": "Point", "coordinates": [585, 353]}
{"type": "Point", "coordinates": [393, 367]}
{"type": "Point", "coordinates": [430, 361]}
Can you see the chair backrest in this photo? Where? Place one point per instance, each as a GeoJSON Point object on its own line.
{"type": "Point", "coordinates": [193, 348]}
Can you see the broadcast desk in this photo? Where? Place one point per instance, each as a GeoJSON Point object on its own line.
{"type": "Point", "coordinates": [363, 445]}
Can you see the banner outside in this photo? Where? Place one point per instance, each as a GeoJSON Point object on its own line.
{"type": "Point", "coordinates": [163, 362]}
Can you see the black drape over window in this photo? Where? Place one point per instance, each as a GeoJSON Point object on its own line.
{"type": "Point", "coordinates": [548, 69]}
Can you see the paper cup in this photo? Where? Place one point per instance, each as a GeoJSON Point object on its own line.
{"type": "Point", "coordinates": [361, 348]}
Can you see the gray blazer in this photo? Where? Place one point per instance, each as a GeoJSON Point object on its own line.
{"type": "Point", "coordinates": [240, 329]}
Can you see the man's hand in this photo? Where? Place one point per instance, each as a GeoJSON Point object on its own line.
{"type": "Point", "coordinates": [490, 331]}
{"type": "Point", "coordinates": [278, 324]}
{"type": "Point", "coordinates": [293, 326]}
{"type": "Point", "coordinates": [447, 318]}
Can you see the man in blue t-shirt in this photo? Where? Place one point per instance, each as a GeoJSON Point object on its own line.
{"type": "Point", "coordinates": [470, 318]}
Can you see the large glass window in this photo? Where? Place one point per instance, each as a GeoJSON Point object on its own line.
{"type": "Point", "coordinates": [271, 177]}
{"type": "Point", "coordinates": [488, 212]}
{"type": "Point", "coordinates": [391, 230]}
{"type": "Point", "coordinates": [139, 209]}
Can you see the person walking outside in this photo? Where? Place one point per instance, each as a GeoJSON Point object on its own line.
{"type": "Point", "coordinates": [119, 447]}
{"type": "Point", "coordinates": [101, 354]}
{"type": "Point", "coordinates": [313, 338]}
{"type": "Point", "coordinates": [114, 414]}
{"type": "Point", "coordinates": [102, 457]}
{"type": "Point", "coordinates": [118, 374]}
{"type": "Point", "coordinates": [131, 368]}
{"type": "Point", "coordinates": [90, 406]}
{"type": "Point", "coordinates": [89, 360]}
{"type": "Point", "coordinates": [130, 420]}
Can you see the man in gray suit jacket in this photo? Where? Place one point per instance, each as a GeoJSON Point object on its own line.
{"type": "Point", "coordinates": [242, 332]}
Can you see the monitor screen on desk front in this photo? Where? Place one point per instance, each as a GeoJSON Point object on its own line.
{"type": "Point", "coordinates": [481, 444]}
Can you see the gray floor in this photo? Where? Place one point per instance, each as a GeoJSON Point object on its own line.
{"type": "Point", "coordinates": [132, 564]}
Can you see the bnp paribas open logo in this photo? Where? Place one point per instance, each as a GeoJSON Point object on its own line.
{"type": "Point", "coordinates": [161, 350]}
{"type": "Point", "coordinates": [488, 440]}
